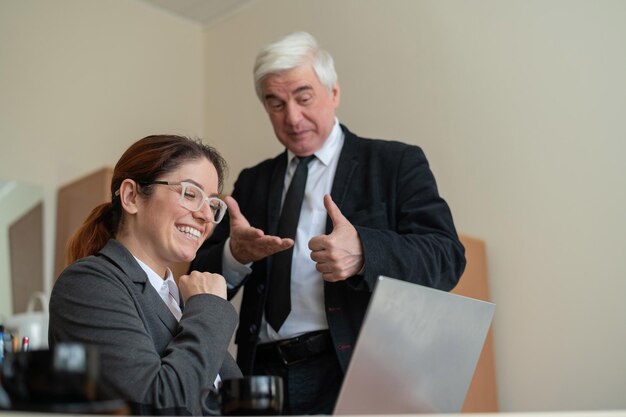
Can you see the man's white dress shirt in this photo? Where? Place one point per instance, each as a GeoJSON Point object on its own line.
{"type": "Point", "coordinates": [307, 286]}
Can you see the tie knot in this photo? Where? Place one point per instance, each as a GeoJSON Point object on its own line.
{"type": "Point", "coordinates": [304, 161]}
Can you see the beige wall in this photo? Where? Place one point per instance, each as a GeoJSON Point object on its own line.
{"type": "Point", "coordinates": [518, 104]}
{"type": "Point", "coordinates": [80, 80]}
{"type": "Point", "coordinates": [520, 107]}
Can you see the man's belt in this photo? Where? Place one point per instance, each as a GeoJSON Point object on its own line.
{"type": "Point", "coordinates": [295, 350]}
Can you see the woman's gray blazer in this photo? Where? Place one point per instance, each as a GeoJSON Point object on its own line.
{"type": "Point", "coordinates": [158, 365]}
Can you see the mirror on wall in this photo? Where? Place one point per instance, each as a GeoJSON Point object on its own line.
{"type": "Point", "coordinates": [21, 245]}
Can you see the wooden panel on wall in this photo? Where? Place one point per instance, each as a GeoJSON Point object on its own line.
{"type": "Point", "coordinates": [26, 257]}
{"type": "Point", "coordinates": [74, 203]}
{"type": "Point", "coordinates": [483, 394]}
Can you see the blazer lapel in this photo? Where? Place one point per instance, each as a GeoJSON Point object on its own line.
{"type": "Point", "coordinates": [277, 183]}
{"type": "Point", "coordinates": [345, 169]}
{"type": "Point", "coordinates": [153, 301]}
{"type": "Point", "coordinates": [149, 298]}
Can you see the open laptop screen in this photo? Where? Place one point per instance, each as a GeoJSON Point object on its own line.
{"type": "Point", "coordinates": [416, 352]}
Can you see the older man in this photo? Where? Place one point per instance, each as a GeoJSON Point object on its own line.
{"type": "Point", "coordinates": [311, 229]}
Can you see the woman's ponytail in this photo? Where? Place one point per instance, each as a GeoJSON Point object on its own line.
{"type": "Point", "coordinates": [98, 228]}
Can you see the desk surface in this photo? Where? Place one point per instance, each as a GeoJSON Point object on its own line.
{"type": "Point", "coordinates": [605, 413]}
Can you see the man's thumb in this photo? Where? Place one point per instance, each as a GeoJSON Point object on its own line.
{"type": "Point", "coordinates": [233, 209]}
{"type": "Point", "coordinates": [336, 216]}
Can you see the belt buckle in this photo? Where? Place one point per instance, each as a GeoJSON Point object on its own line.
{"type": "Point", "coordinates": [284, 360]}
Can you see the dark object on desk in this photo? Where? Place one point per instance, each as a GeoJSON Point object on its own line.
{"type": "Point", "coordinates": [67, 374]}
{"type": "Point", "coordinates": [109, 407]}
{"type": "Point", "coordinates": [256, 395]}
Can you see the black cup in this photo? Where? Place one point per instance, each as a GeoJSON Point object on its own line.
{"type": "Point", "coordinates": [255, 395]}
{"type": "Point", "coordinates": [68, 373]}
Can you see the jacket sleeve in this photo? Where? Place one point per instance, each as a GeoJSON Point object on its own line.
{"type": "Point", "coordinates": [411, 236]}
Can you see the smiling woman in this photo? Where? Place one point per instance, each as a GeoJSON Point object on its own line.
{"type": "Point", "coordinates": [144, 164]}
{"type": "Point", "coordinates": [119, 293]}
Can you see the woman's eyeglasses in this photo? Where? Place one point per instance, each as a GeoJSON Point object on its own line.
{"type": "Point", "coordinates": [193, 197]}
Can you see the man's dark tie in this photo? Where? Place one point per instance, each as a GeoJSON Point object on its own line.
{"type": "Point", "coordinates": [278, 304]}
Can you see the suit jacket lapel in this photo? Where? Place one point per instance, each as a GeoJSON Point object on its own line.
{"type": "Point", "coordinates": [277, 183]}
{"type": "Point", "coordinates": [149, 297]}
{"type": "Point", "coordinates": [345, 169]}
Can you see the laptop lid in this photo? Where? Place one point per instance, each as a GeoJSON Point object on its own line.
{"type": "Point", "coordinates": [416, 352]}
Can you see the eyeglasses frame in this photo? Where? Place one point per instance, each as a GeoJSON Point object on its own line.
{"type": "Point", "coordinates": [205, 198]}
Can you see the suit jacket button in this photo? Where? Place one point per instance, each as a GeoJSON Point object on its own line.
{"type": "Point", "coordinates": [260, 288]}
{"type": "Point", "coordinates": [252, 328]}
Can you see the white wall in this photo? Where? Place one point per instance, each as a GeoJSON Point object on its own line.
{"type": "Point", "coordinates": [520, 107]}
{"type": "Point", "coordinates": [81, 80]}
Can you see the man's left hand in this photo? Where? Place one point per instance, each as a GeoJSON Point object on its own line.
{"type": "Point", "coordinates": [338, 255]}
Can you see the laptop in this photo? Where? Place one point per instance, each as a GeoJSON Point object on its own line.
{"type": "Point", "coordinates": [416, 352]}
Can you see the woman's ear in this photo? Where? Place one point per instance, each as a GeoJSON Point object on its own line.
{"type": "Point", "coordinates": [129, 196]}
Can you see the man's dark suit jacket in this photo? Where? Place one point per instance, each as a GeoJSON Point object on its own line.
{"type": "Point", "coordinates": [387, 191]}
{"type": "Point", "coordinates": [158, 365]}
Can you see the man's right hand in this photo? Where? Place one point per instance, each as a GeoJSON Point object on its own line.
{"type": "Point", "coordinates": [247, 243]}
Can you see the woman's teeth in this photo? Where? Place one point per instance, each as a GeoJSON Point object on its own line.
{"type": "Point", "coordinates": [190, 231]}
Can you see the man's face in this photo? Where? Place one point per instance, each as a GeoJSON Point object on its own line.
{"type": "Point", "coordinates": [301, 110]}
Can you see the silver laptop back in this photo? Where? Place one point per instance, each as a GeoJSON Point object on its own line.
{"type": "Point", "coordinates": [416, 352]}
